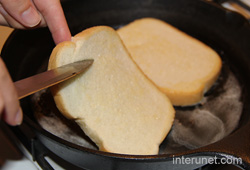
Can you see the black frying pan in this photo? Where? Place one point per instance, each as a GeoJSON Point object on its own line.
{"type": "Point", "coordinates": [226, 31]}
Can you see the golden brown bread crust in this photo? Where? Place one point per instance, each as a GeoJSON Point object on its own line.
{"type": "Point", "coordinates": [53, 63]}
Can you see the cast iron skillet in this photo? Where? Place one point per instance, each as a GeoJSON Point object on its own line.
{"type": "Point", "coordinates": [225, 31]}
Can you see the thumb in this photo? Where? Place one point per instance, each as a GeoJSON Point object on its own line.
{"type": "Point", "coordinates": [23, 11]}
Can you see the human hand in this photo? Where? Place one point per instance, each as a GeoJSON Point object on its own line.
{"type": "Point", "coordinates": [10, 110]}
{"type": "Point", "coordinates": [25, 14]}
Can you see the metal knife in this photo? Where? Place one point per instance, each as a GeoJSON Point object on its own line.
{"type": "Point", "coordinates": [49, 78]}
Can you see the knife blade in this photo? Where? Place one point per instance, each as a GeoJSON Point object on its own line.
{"type": "Point", "coordinates": [49, 78]}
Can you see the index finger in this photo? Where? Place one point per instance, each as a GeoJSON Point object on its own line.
{"type": "Point", "coordinates": [54, 16]}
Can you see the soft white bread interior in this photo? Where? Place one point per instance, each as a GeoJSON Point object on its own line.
{"type": "Point", "coordinates": [114, 103]}
{"type": "Point", "coordinates": [181, 66]}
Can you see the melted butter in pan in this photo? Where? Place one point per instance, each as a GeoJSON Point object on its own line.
{"type": "Point", "coordinates": [196, 126]}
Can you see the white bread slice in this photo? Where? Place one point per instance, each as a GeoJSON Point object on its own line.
{"type": "Point", "coordinates": [114, 103]}
{"type": "Point", "coordinates": [180, 65]}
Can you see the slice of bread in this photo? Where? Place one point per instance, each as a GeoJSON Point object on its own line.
{"type": "Point", "coordinates": [114, 103]}
{"type": "Point", "coordinates": [180, 65]}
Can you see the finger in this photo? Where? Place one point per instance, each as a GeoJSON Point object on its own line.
{"type": "Point", "coordinates": [55, 19]}
{"type": "Point", "coordinates": [12, 112]}
{"type": "Point", "coordinates": [3, 21]}
{"type": "Point", "coordinates": [23, 11]}
{"type": "Point", "coordinates": [7, 20]}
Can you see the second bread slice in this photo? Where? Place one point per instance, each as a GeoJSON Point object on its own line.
{"type": "Point", "coordinates": [181, 66]}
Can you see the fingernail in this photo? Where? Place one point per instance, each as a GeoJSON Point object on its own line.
{"type": "Point", "coordinates": [19, 117]}
{"type": "Point", "coordinates": [30, 17]}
